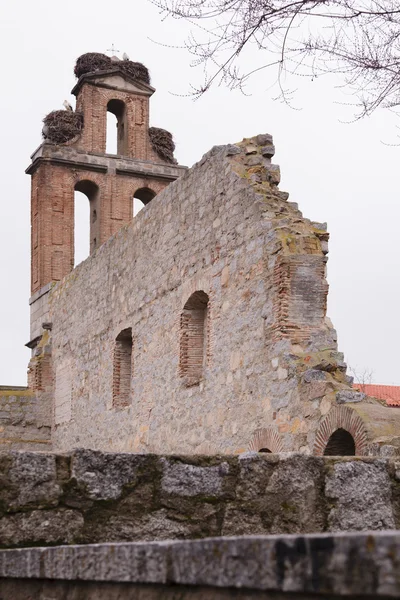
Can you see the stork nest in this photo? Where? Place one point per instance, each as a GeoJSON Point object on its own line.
{"type": "Point", "coordinates": [90, 62]}
{"type": "Point", "coordinates": [135, 69]}
{"type": "Point", "coordinates": [94, 61]}
{"type": "Point", "coordinates": [162, 142]}
{"type": "Point", "coordinates": [61, 126]}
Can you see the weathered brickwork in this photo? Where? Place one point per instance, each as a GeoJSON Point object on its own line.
{"type": "Point", "coordinates": [93, 497]}
{"type": "Point", "coordinates": [53, 243]}
{"type": "Point", "coordinates": [81, 164]}
{"type": "Point", "coordinates": [258, 369]}
{"type": "Point", "coordinates": [94, 92]}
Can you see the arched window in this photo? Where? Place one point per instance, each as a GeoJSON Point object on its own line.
{"type": "Point", "coordinates": [193, 341]}
{"type": "Point", "coordinates": [141, 197]}
{"type": "Point", "coordinates": [86, 226]}
{"type": "Point", "coordinates": [266, 450]}
{"type": "Point", "coordinates": [116, 128]}
{"type": "Point", "coordinates": [122, 369]}
{"type": "Point", "coordinates": [341, 443]}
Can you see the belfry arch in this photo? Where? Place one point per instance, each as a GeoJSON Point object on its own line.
{"type": "Point", "coordinates": [92, 192]}
{"type": "Point", "coordinates": [118, 109]}
{"type": "Point", "coordinates": [142, 197]}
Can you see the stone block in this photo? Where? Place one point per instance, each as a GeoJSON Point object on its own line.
{"type": "Point", "coordinates": [268, 151]}
{"type": "Point", "coordinates": [314, 375]}
{"type": "Point", "coordinates": [361, 494]}
{"type": "Point", "coordinates": [104, 475]}
{"type": "Point", "coordinates": [345, 396]}
{"type": "Point", "coordinates": [293, 496]}
{"type": "Point", "coordinates": [40, 527]}
{"type": "Point", "coordinates": [30, 479]}
{"type": "Point", "coordinates": [191, 480]}
{"type": "Point", "coordinates": [264, 139]}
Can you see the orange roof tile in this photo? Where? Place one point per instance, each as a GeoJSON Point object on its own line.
{"type": "Point", "coordinates": [389, 393]}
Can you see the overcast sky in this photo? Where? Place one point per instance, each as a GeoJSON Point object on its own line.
{"type": "Point", "coordinates": [342, 173]}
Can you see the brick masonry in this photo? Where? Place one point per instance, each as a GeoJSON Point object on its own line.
{"type": "Point", "coordinates": [58, 170]}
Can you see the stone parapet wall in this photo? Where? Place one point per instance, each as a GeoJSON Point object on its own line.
{"type": "Point", "coordinates": [93, 497]}
{"type": "Point", "coordinates": [273, 568]}
{"type": "Point", "coordinates": [21, 421]}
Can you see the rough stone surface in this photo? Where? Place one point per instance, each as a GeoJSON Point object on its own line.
{"type": "Point", "coordinates": [104, 475]}
{"type": "Point", "coordinates": [92, 497]}
{"type": "Point", "coordinates": [361, 493]}
{"type": "Point", "coordinates": [190, 480]}
{"type": "Point", "coordinates": [23, 422]}
{"type": "Point", "coordinates": [270, 360]}
{"type": "Point", "coordinates": [349, 396]}
{"type": "Point", "coordinates": [318, 566]}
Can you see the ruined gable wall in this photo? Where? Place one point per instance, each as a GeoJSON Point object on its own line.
{"type": "Point", "coordinates": [272, 367]}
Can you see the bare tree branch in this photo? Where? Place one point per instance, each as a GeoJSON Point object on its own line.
{"type": "Point", "coordinates": [359, 39]}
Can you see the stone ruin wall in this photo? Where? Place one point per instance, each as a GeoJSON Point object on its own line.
{"type": "Point", "coordinates": [89, 497]}
{"type": "Point", "coordinates": [272, 369]}
{"type": "Point", "coordinates": [24, 425]}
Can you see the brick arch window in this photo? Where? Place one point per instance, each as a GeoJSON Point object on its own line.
{"type": "Point", "coordinates": [194, 334]}
{"type": "Point", "coordinates": [266, 440]}
{"type": "Point", "coordinates": [340, 443]}
{"type": "Point", "coordinates": [86, 222]}
{"type": "Point", "coordinates": [341, 418]}
{"type": "Point", "coordinates": [122, 369]}
{"type": "Point", "coordinates": [141, 197]}
{"type": "Point", "coordinates": [116, 138]}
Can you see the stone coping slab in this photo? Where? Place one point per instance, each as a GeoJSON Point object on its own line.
{"type": "Point", "coordinates": [343, 564]}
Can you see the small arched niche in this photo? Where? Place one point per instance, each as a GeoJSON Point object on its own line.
{"type": "Point", "coordinates": [265, 450]}
{"type": "Point", "coordinates": [122, 369]}
{"type": "Point", "coordinates": [340, 443]}
{"type": "Point", "coordinates": [193, 338]}
{"type": "Point", "coordinates": [86, 220]}
{"type": "Point", "coordinates": [141, 197]}
{"type": "Point", "coordinates": [116, 137]}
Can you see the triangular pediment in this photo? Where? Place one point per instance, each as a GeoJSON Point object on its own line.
{"type": "Point", "coordinates": [115, 79]}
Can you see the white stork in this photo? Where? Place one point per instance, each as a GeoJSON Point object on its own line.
{"type": "Point", "coordinates": [67, 106]}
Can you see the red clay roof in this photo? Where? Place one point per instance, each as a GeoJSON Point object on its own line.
{"type": "Point", "coordinates": [389, 393]}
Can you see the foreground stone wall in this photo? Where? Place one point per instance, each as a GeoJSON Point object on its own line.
{"type": "Point", "coordinates": [271, 371]}
{"type": "Point", "coordinates": [92, 497]}
{"type": "Point", "coordinates": [274, 568]}
{"type": "Point", "coordinates": [24, 425]}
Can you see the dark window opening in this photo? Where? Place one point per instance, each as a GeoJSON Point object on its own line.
{"type": "Point", "coordinates": [194, 334]}
{"type": "Point", "coordinates": [116, 139]}
{"type": "Point", "coordinates": [86, 229]}
{"type": "Point", "coordinates": [122, 369]}
{"type": "Point", "coordinates": [142, 197]}
{"type": "Point", "coordinates": [341, 443]}
{"type": "Point", "coordinates": [267, 450]}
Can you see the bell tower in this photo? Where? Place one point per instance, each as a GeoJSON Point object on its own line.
{"type": "Point", "coordinates": [73, 158]}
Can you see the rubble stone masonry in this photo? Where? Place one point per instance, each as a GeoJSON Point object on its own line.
{"type": "Point", "coordinates": [270, 368]}
{"type": "Point", "coordinates": [92, 497]}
